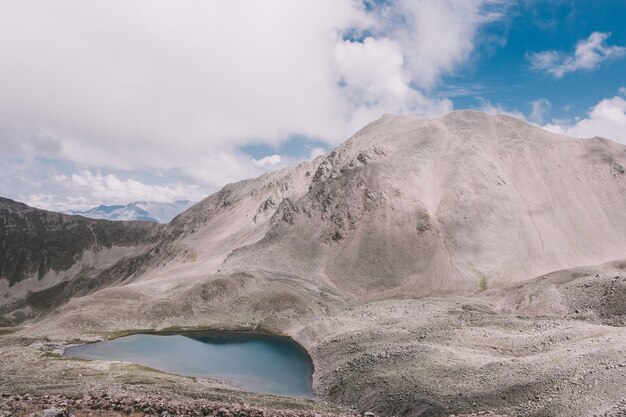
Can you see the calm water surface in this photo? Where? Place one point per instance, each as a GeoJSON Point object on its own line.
{"type": "Point", "coordinates": [250, 361]}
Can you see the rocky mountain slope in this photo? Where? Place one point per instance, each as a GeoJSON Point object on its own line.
{"type": "Point", "coordinates": [411, 262]}
{"type": "Point", "coordinates": [415, 207]}
{"type": "Point", "coordinates": [411, 207]}
{"type": "Point", "coordinates": [138, 210]}
{"type": "Point", "coordinates": [43, 254]}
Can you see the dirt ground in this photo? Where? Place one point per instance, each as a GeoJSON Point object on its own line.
{"type": "Point", "coordinates": [428, 357]}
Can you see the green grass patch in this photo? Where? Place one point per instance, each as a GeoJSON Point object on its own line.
{"type": "Point", "coordinates": [8, 330]}
{"type": "Point", "coordinates": [182, 330]}
{"type": "Point", "coordinates": [141, 368]}
{"type": "Point", "coordinates": [58, 356]}
{"type": "Point", "coordinates": [78, 341]}
{"type": "Point", "coordinates": [136, 374]}
{"type": "Point", "coordinates": [483, 283]}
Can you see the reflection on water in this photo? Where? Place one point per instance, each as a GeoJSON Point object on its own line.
{"type": "Point", "coordinates": [250, 361]}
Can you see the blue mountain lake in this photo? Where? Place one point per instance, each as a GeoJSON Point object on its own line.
{"type": "Point", "coordinates": [250, 361]}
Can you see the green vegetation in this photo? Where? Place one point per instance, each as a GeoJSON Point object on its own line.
{"type": "Point", "coordinates": [58, 356]}
{"type": "Point", "coordinates": [78, 341]}
{"type": "Point", "coordinates": [121, 333]}
{"type": "Point", "coordinates": [182, 330]}
{"type": "Point", "coordinates": [483, 282]}
{"type": "Point", "coordinates": [8, 330]}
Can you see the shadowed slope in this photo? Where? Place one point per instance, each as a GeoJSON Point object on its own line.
{"type": "Point", "coordinates": [46, 257]}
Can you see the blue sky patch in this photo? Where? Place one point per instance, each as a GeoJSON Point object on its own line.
{"type": "Point", "coordinates": [503, 74]}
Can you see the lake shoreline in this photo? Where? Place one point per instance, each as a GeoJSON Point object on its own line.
{"type": "Point", "coordinates": [255, 362]}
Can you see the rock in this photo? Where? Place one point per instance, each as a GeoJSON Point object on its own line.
{"type": "Point", "coordinates": [54, 242]}
{"type": "Point", "coordinates": [55, 412]}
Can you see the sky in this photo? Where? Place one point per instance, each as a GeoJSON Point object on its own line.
{"type": "Point", "coordinates": [126, 100]}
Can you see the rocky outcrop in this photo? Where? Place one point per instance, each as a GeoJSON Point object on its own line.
{"type": "Point", "coordinates": [34, 242]}
{"type": "Point", "coordinates": [106, 405]}
{"type": "Point", "coordinates": [50, 250]}
{"type": "Point", "coordinates": [413, 207]}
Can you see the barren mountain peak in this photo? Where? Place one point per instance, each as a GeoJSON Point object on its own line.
{"type": "Point", "coordinates": [458, 207]}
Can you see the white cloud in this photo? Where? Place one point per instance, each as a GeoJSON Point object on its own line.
{"type": "Point", "coordinates": [589, 54]}
{"type": "Point", "coordinates": [493, 109]}
{"type": "Point", "coordinates": [268, 161]}
{"type": "Point", "coordinates": [607, 119]}
{"type": "Point", "coordinates": [436, 35]}
{"type": "Point", "coordinates": [372, 71]}
{"type": "Point", "coordinates": [85, 189]}
{"type": "Point", "coordinates": [539, 109]}
{"type": "Point", "coordinates": [155, 85]}
{"type": "Point", "coordinates": [111, 188]}
{"type": "Point", "coordinates": [27, 143]}
{"type": "Point", "coordinates": [315, 152]}
{"type": "Point", "coordinates": [373, 77]}
{"type": "Point", "coordinates": [52, 202]}
{"type": "Point", "coordinates": [222, 168]}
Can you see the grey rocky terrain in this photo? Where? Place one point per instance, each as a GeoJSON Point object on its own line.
{"type": "Point", "coordinates": [46, 257]}
{"type": "Point", "coordinates": [430, 266]}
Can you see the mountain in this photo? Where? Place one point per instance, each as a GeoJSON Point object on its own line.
{"type": "Point", "coordinates": [139, 210]}
{"type": "Point", "coordinates": [426, 264]}
{"type": "Point", "coordinates": [417, 207]}
{"type": "Point", "coordinates": [47, 257]}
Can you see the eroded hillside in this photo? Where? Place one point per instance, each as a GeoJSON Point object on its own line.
{"type": "Point", "coordinates": [46, 257]}
{"type": "Point", "coordinates": [415, 262]}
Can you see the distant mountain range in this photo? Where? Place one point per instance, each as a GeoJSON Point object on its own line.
{"type": "Point", "coordinates": [138, 210]}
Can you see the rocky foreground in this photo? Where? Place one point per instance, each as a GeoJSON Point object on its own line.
{"type": "Point", "coordinates": [105, 405]}
{"type": "Point", "coordinates": [112, 405]}
{"type": "Point", "coordinates": [432, 357]}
